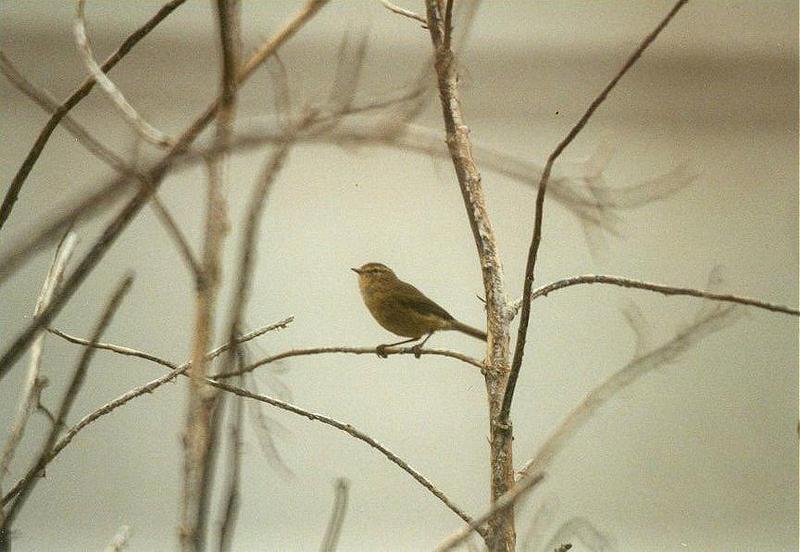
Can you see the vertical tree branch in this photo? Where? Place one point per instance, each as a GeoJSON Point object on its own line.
{"type": "Point", "coordinates": [536, 239]}
{"type": "Point", "coordinates": [201, 423]}
{"type": "Point", "coordinates": [501, 535]}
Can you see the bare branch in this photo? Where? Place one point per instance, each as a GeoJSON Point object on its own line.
{"type": "Point", "coordinates": [81, 92]}
{"type": "Point", "coordinates": [44, 100]}
{"type": "Point", "coordinates": [708, 322]}
{"type": "Point", "coordinates": [33, 384]}
{"type": "Point", "coordinates": [405, 13]}
{"type": "Point", "coordinates": [75, 384]}
{"type": "Point", "coordinates": [131, 116]}
{"type": "Point", "coordinates": [545, 290]}
{"type": "Point", "coordinates": [176, 371]}
{"type": "Point", "coordinates": [506, 501]}
{"type": "Point", "coordinates": [349, 429]}
{"type": "Point", "coordinates": [211, 355]}
{"type": "Point", "coordinates": [522, 332]}
{"type": "Point", "coordinates": [352, 351]}
{"type": "Point", "coordinates": [133, 393]}
{"type": "Point", "coordinates": [341, 487]}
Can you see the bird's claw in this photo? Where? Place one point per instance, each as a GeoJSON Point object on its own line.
{"type": "Point", "coordinates": [380, 350]}
{"type": "Point", "coordinates": [417, 350]}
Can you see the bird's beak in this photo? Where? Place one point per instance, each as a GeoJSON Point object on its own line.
{"type": "Point", "coordinates": [357, 271]}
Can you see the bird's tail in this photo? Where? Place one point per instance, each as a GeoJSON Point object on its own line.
{"type": "Point", "coordinates": [469, 330]}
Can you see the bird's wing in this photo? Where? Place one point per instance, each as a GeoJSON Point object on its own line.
{"type": "Point", "coordinates": [412, 298]}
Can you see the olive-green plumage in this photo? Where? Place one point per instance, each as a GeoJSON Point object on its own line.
{"type": "Point", "coordinates": [403, 309]}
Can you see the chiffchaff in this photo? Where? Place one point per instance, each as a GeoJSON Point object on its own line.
{"type": "Point", "coordinates": [403, 309]}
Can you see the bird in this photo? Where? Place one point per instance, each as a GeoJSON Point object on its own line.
{"type": "Point", "coordinates": [403, 309]}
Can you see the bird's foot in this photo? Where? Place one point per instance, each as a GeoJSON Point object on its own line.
{"type": "Point", "coordinates": [417, 350]}
{"type": "Point", "coordinates": [380, 350]}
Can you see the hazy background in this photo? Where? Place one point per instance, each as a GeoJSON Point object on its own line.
{"type": "Point", "coordinates": [701, 455]}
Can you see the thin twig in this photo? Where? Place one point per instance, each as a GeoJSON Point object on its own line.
{"type": "Point", "coordinates": [703, 326]}
{"type": "Point", "coordinates": [341, 489]}
{"type": "Point", "coordinates": [44, 100]}
{"type": "Point", "coordinates": [81, 92]}
{"type": "Point", "coordinates": [133, 393]}
{"type": "Point", "coordinates": [180, 370]}
{"type": "Point", "coordinates": [506, 501]}
{"type": "Point", "coordinates": [352, 351]}
{"type": "Point", "coordinates": [33, 384]}
{"type": "Point", "coordinates": [131, 116]}
{"type": "Point", "coordinates": [660, 288]}
{"type": "Point", "coordinates": [75, 384]}
{"type": "Point", "coordinates": [405, 13]}
{"type": "Point", "coordinates": [349, 429]}
{"type": "Point", "coordinates": [530, 265]}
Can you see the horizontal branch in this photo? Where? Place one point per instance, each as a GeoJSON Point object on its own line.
{"type": "Point", "coordinates": [133, 393]}
{"type": "Point", "coordinates": [352, 351]}
{"type": "Point", "coordinates": [181, 370]}
{"type": "Point", "coordinates": [660, 288]}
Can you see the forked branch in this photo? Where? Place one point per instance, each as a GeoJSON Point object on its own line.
{"type": "Point", "coordinates": [530, 265]}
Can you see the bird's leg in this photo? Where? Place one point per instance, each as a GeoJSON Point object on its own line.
{"type": "Point", "coordinates": [380, 350]}
{"type": "Point", "coordinates": [417, 349]}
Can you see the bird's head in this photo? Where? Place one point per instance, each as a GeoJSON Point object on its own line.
{"type": "Point", "coordinates": [374, 273]}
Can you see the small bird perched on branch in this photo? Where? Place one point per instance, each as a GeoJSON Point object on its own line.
{"type": "Point", "coordinates": [403, 309]}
